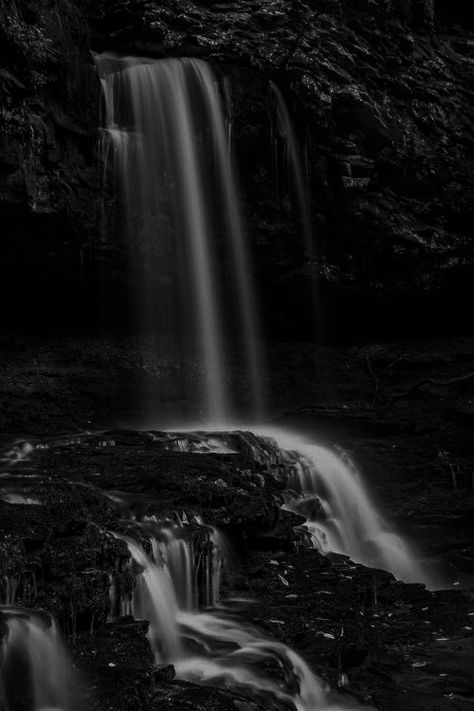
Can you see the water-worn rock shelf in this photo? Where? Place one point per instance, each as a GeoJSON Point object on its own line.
{"type": "Point", "coordinates": [381, 642]}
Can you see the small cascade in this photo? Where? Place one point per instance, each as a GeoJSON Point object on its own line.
{"type": "Point", "coordinates": [182, 572]}
{"type": "Point", "coordinates": [15, 586]}
{"type": "Point", "coordinates": [231, 654]}
{"type": "Point", "coordinates": [35, 672]}
{"type": "Point", "coordinates": [9, 588]}
{"type": "Point", "coordinates": [341, 517]}
{"type": "Point", "coordinates": [176, 555]}
{"type": "Point", "coordinates": [328, 491]}
{"type": "Point", "coordinates": [169, 150]}
{"type": "Point", "coordinates": [216, 562]}
{"type": "Point", "coordinates": [194, 442]}
{"type": "Point", "coordinates": [296, 171]}
{"type": "Point", "coordinates": [155, 600]}
{"type": "Point", "coordinates": [295, 163]}
{"type": "Point", "coordinates": [193, 554]}
{"type": "Point", "coordinates": [215, 646]}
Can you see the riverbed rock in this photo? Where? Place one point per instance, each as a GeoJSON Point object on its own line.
{"type": "Point", "coordinates": [225, 489]}
{"type": "Point", "coordinates": [56, 554]}
{"type": "Point", "coordinates": [377, 640]}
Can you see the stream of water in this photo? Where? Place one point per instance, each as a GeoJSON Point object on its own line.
{"type": "Point", "coordinates": [293, 164]}
{"type": "Point", "coordinates": [215, 645]}
{"type": "Point", "coordinates": [183, 218]}
{"type": "Point", "coordinates": [35, 671]}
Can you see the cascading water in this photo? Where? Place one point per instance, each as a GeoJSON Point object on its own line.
{"type": "Point", "coordinates": [177, 574]}
{"type": "Point", "coordinates": [233, 652]}
{"type": "Point", "coordinates": [329, 493]}
{"type": "Point", "coordinates": [166, 123]}
{"type": "Point", "coordinates": [155, 600]}
{"type": "Point", "coordinates": [34, 664]}
{"type": "Point", "coordinates": [341, 516]}
{"type": "Point", "coordinates": [294, 163]}
{"type": "Point", "coordinates": [215, 646]}
{"type": "Point", "coordinates": [296, 170]}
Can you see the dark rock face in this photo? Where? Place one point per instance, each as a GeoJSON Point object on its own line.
{"type": "Point", "coordinates": [381, 97]}
{"type": "Point", "coordinates": [50, 102]}
{"type": "Point", "coordinates": [227, 489]}
{"type": "Point", "coordinates": [55, 557]}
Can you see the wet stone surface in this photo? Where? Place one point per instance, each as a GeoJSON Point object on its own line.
{"type": "Point", "coordinates": [382, 642]}
{"type": "Point", "coordinates": [385, 641]}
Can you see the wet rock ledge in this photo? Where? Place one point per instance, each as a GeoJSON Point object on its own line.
{"type": "Point", "coordinates": [386, 643]}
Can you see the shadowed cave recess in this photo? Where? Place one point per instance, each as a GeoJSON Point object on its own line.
{"type": "Point", "coordinates": [237, 361]}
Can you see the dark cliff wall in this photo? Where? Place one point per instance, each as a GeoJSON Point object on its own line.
{"type": "Point", "coordinates": [381, 94]}
{"type": "Point", "coordinates": [50, 99]}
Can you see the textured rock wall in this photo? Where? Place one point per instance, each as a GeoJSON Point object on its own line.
{"type": "Point", "coordinates": [381, 94]}
{"type": "Point", "coordinates": [49, 97]}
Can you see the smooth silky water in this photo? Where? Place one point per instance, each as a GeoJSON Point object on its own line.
{"type": "Point", "coordinates": [215, 645]}
{"type": "Point", "coordinates": [35, 667]}
{"type": "Point", "coordinates": [293, 163]}
{"type": "Point", "coordinates": [169, 150]}
{"type": "Point", "coordinates": [290, 168]}
{"type": "Point", "coordinates": [325, 487]}
{"type": "Point", "coordinates": [209, 642]}
{"type": "Point", "coordinates": [178, 583]}
{"type": "Point", "coordinates": [341, 514]}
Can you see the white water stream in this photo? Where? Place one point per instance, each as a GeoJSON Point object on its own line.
{"type": "Point", "coordinates": [294, 163]}
{"type": "Point", "coordinates": [215, 646]}
{"type": "Point", "coordinates": [34, 663]}
{"type": "Point", "coordinates": [341, 514]}
{"type": "Point", "coordinates": [183, 219]}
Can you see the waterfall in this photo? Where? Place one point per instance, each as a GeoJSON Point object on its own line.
{"type": "Point", "coordinates": [296, 169]}
{"type": "Point", "coordinates": [34, 664]}
{"type": "Point", "coordinates": [327, 489]}
{"type": "Point", "coordinates": [215, 646]}
{"type": "Point", "coordinates": [232, 653]}
{"type": "Point", "coordinates": [155, 600]}
{"type": "Point", "coordinates": [182, 215]}
{"type": "Point", "coordinates": [294, 163]}
{"type": "Point", "coordinates": [182, 571]}
{"type": "Point", "coordinates": [341, 516]}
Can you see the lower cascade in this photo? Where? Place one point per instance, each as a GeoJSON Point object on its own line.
{"type": "Point", "coordinates": [215, 646]}
{"type": "Point", "coordinates": [177, 563]}
{"type": "Point", "coordinates": [341, 517]}
{"type": "Point", "coordinates": [324, 487]}
{"type": "Point", "coordinates": [177, 588]}
{"type": "Point", "coordinates": [34, 664]}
